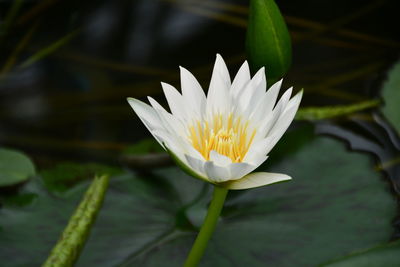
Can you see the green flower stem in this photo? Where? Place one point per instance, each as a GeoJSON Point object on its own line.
{"type": "Point", "coordinates": [208, 227]}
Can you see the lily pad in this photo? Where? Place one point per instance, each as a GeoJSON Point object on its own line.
{"type": "Point", "coordinates": [326, 211]}
{"type": "Point", "coordinates": [335, 205]}
{"type": "Point", "coordinates": [384, 255]}
{"type": "Point", "coordinates": [15, 167]}
{"type": "Point", "coordinates": [391, 96]}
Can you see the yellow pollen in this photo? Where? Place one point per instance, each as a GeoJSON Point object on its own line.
{"type": "Point", "coordinates": [227, 136]}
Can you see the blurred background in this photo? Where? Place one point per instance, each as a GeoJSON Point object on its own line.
{"type": "Point", "coordinates": [67, 67]}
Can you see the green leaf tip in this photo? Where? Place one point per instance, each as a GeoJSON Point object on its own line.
{"type": "Point", "coordinates": [268, 41]}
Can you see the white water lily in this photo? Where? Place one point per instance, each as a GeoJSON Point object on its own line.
{"type": "Point", "coordinates": [223, 137]}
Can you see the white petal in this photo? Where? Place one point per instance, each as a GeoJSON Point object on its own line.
{"type": "Point", "coordinates": [192, 92]}
{"type": "Point", "coordinates": [173, 124]}
{"type": "Point", "coordinates": [260, 85]}
{"type": "Point", "coordinates": [262, 126]}
{"type": "Point", "coordinates": [170, 122]}
{"type": "Point", "coordinates": [176, 147]}
{"type": "Point", "coordinates": [295, 101]}
{"type": "Point", "coordinates": [284, 100]}
{"type": "Point", "coordinates": [218, 93]}
{"type": "Point", "coordinates": [191, 151]}
{"type": "Point", "coordinates": [286, 118]}
{"type": "Point", "coordinates": [267, 125]}
{"type": "Point", "coordinates": [289, 112]}
{"type": "Point", "coordinates": [291, 108]}
{"type": "Point", "coordinates": [196, 164]}
{"type": "Point", "coordinates": [238, 170]}
{"type": "Point", "coordinates": [251, 93]}
{"type": "Point", "coordinates": [183, 164]}
{"type": "Point", "coordinates": [259, 111]}
{"type": "Point", "coordinates": [257, 148]}
{"type": "Point", "coordinates": [272, 95]}
{"type": "Point", "coordinates": [268, 122]}
{"type": "Point", "coordinates": [257, 179]}
{"type": "Point", "coordinates": [241, 79]}
{"type": "Point", "coordinates": [170, 141]}
{"type": "Point", "coordinates": [216, 173]}
{"type": "Point", "coordinates": [220, 67]}
{"type": "Point", "coordinates": [148, 116]}
{"type": "Point", "coordinates": [180, 146]}
{"type": "Point", "coordinates": [175, 100]}
{"type": "Point", "coordinates": [219, 159]}
{"type": "Point", "coordinates": [155, 104]}
{"type": "Point", "coordinates": [145, 112]}
{"type": "Point", "coordinates": [266, 103]}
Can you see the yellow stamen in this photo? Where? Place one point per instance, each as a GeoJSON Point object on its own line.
{"type": "Point", "coordinates": [228, 136]}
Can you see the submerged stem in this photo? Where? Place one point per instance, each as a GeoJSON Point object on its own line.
{"type": "Point", "coordinates": [208, 227]}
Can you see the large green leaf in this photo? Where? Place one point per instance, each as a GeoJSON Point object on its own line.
{"type": "Point", "coordinates": [335, 205]}
{"type": "Point", "coordinates": [384, 255]}
{"type": "Point", "coordinates": [268, 41]}
{"type": "Point", "coordinates": [15, 167]}
{"type": "Point", "coordinates": [391, 96]}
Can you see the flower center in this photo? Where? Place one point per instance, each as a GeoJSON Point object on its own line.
{"type": "Point", "coordinates": [227, 136]}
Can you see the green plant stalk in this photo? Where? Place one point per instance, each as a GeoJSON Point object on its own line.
{"type": "Point", "coordinates": [49, 49]}
{"type": "Point", "coordinates": [208, 227]}
{"type": "Point", "coordinates": [72, 240]}
{"type": "Point", "coordinates": [327, 112]}
{"type": "Point", "coordinates": [13, 11]}
{"type": "Point", "coordinates": [18, 49]}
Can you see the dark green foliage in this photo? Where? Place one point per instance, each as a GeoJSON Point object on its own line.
{"type": "Point", "coordinates": [384, 255]}
{"type": "Point", "coordinates": [326, 212]}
